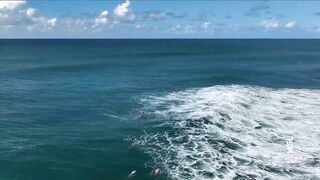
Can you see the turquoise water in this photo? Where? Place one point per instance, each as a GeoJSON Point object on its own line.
{"type": "Point", "coordinates": [196, 109]}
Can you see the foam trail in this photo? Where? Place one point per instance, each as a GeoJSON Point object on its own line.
{"type": "Point", "coordinates": [234, 132]}
{"type": "Point", "coordinates": [114, 116]}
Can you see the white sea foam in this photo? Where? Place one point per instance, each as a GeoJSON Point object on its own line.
{"type": "Point", "coordinates": [240, 132]}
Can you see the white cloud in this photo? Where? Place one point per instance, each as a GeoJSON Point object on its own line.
{"type": "Point", "coordinates": [206, 26]}
{"type": "Point", "coordinates": [290, 24]}
{"type": "Point", "coordinates": [30, 12]}
{"type": "Point", "coordinates": [12, 13]}
{"type": "Point", "coordinates": [104, 14]}
{"type": "Point", "coordinates": [270, 24]}
{"type": "Point", "coordinates": [122, 11]}
{"type": "Point", "coordinates": [101, 20]}
{"type": "Point", "coordinates": [52, 22]}
{"type": "Point", "coordinates": [15, 15]}
{"type": "Point", "coordinates": [9, 5]}
{"type": "Point", "coordinates": [43, 24]}
{"type": "Point", "coordinates": [75, 25]}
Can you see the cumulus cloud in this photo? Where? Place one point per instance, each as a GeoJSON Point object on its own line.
{"type": "Point", "coordinates": [76, 25]}
{"type": "Point", "coordinates": [82, 24]}
{"type": "Point", "coordinates": [270, 24]}
{"type": "Point", "coordinates": [11, 14]}
{"type": "Point", "coordinates": [18, 15]}
{"type": "Point", "coordinates": [52, 22]}
{"type": "Point", "coordinates": [122, 11]}
{"type": "Point", "coordinates": [290, 24]}
{"type": "Point", "coordinates": [30, 12]}
{"type": "Point", "coordinates": [102, 19]}
{"type": "Point", "coordinates": [15, 14]}
{"type": "Point", "coordinates": [257, 10]}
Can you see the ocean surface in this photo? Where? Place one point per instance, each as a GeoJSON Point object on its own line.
{"type": "Point", "coordinates": [195, 109]}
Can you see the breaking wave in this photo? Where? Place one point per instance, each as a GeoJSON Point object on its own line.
{"type": "Point", "coordinates": [235, 132]}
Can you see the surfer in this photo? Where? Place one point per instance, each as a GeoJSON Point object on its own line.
{"type": "Point", "coordinates": [155, 172]}
{"type": "Point", "coordinates": [133, 173]}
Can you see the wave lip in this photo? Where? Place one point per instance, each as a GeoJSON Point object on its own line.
{"type": "Point", "coordinates": [236, 132]}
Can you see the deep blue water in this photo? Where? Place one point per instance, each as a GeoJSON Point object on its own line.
{"type": "Point", "coordinates": [68, 107]}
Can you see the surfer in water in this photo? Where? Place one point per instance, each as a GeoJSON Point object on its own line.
{"type": "Point", "coordinates": [155, 172]}
{"type": "Point", "coordinates": [133, 173]}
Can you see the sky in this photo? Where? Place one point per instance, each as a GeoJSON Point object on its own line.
{"type": "Point", "coordinates": [159, 19]}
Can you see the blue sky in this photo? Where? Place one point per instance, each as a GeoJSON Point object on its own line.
{"type": "Point", "coordinates": [159, 19]}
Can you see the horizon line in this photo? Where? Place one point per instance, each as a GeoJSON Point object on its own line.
{"type": "Point", "coordinates": [168, 38]}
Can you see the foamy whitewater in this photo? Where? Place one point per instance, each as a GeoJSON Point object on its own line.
{"type": "Point", "coordinates": [234, 131]}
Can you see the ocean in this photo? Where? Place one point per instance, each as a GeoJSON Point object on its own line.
{"type": "Point", "coordinates": [194, 108]}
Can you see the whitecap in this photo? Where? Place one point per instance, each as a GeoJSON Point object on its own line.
{"type": "Point", "coordinates": [236, 132]}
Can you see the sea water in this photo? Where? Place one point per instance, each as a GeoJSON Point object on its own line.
{"type": "Point", "coordinates": [195, 109]}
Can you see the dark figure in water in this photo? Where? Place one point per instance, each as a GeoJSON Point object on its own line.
{"type": "Point", "coordinates": [133, 173]}
{"type": "Point", "coordinates": [155, 172]}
